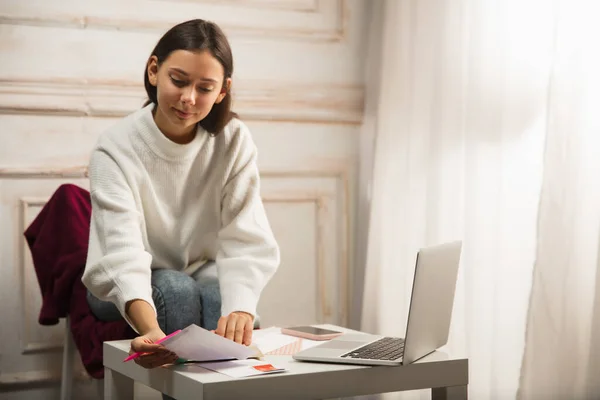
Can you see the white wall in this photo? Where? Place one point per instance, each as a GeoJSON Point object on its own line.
{"type": "Point", "coordinates": [70, 68]}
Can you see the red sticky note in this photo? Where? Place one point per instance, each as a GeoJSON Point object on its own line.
{"type": "Point", "coordinates": [265, 368]}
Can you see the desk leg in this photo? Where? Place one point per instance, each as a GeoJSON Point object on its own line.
{"type": "Point", "coordinates": [117, 386]}
{"type": "Point", "coordinates": [449, 393]}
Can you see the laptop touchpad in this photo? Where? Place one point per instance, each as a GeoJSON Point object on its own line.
{"type": "Point", "coordinates": [340, 344]}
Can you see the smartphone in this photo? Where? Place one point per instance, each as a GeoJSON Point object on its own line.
{"type": "Point", "coordinates": [311, 332]}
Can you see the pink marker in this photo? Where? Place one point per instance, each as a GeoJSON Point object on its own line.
{"type": "Point", "coordinates": [136, 355]}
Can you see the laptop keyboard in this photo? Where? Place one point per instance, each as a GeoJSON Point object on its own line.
{"type": "Point", "coordinates": [387, 348]}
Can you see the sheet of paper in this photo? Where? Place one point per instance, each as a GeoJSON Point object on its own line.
{"type": "Point", "coordinates": [270, 339]}
{"type": "Point", "coordinates": [307, 344]}
{"type": "Point", "coordinates": [198, 344]}
{"type": "Point", "coordinates": [242, 368]}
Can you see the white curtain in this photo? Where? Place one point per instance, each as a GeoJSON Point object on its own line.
{"type": "Point", "coordinates": [562, 349]}
{"type": "Point", "coordinates": [485, 115]}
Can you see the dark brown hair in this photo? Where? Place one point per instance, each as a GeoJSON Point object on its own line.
{"type": "Point", "coordinates": [198, 35]}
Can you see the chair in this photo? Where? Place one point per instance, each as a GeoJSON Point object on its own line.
{"type": "Point", "coordinates": [69, 351]}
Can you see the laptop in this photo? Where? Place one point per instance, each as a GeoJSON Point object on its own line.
{"type": "Point", "coordinates": [428, 324]}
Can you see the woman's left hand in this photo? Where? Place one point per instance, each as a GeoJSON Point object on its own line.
{"type": "Point", "coordinates": [236, 326]}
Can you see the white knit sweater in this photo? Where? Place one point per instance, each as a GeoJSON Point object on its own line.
{"type": "Point", "coordinates": [158, 204]}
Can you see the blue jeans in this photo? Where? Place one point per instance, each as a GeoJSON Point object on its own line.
{"type": "Point", "coordinates": [180, 300]}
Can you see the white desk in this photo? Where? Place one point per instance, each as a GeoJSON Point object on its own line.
{"type": "Point", "coordinates": [448, 379]}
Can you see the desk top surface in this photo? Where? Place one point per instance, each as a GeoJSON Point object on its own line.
{"type": "Point", "coordinates": [435, 370]}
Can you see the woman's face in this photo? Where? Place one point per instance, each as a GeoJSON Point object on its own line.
{"type": "Point", "coordinates": [188, 85]}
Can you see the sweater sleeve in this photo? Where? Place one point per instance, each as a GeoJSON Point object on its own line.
{"type": "Point", "coordinates": [117, 267]}
{"type": "Point", "coordinates": [248, 253]}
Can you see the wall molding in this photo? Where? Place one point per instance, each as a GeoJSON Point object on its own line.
{"type": "Point", "coordinates": [319, 200]}
{"type": "Point", "coordinates": [330, 16]}
{"type": "Point", "coordinates": [256, 100]}
{"type": "Point", "coordinates": [34, 379]}
{"type": "Point", "coordinates": [44, 173]}
{"type": "Point", "coordinates": [291, 5]}
{"type": "Point", "coordinates": [341, 173]}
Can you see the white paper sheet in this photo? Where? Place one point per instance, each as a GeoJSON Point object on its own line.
{"type": "Point", "coordinates": [198, 344]}
{"type": "Point", "coordinates": [307, 344]}
{"type": "Point", "coordinates": [242, 368]}
{"type": "Point", "coordinates": [270, 339]}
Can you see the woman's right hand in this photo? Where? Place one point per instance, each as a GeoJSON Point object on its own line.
{"type": "Point", "coordinates": [157, 354]}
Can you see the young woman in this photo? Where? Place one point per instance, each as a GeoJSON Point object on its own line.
{"type": "Point", "coordinates": [179, 234]}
